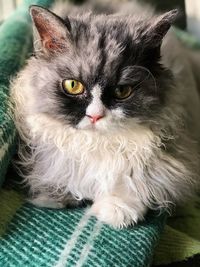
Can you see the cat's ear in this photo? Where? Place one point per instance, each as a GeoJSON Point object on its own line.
{"type": "Point", "coordinates": [159, 26]}
{"type": "Point", "coordinates": [52, 31]}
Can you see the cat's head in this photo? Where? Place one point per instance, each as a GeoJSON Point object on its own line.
{"type": "Point", "coordinates": [99, 71]}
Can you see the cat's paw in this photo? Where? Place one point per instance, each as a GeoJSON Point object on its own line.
{"type": "Point", "coordinates": [44, 201]}
{"type": "Point", "coordinates": [113, 211]}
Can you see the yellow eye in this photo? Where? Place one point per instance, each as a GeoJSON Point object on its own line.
{"type": "Point", "coordinates": [73, 87]}
{"type": "Point", "coordinates": [123, 92]}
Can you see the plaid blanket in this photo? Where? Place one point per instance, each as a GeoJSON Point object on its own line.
{"type": "Point", "coordinates": [44, 237]}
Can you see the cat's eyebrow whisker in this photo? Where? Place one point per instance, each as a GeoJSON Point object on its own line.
{"type": "Point", "coordinates": [146, 77]}
{"type": "Point", "coordinates": [37, 44]}
{"type": "Point", "coordinates": [150, 74]}
{"type": "Point", "coordinates": [37, 41]}
{"type": "Point", "coordinates": [131, 68]}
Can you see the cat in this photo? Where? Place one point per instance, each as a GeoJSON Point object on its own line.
{"type": "Point", "coordinates": [108, 110]}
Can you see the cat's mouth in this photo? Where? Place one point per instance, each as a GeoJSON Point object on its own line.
{"type": "Point", "coordinates": [93, 124]}
{"type": "Point", "coordinates": [106, 124]}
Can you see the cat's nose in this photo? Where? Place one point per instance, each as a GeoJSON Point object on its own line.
{"type": "Point", "coordinates": [94, 118]}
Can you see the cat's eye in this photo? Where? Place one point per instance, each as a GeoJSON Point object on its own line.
{"type": "Point", "coordinates": [73, 87]}
{"type": "Point", "coordinates": [123, 92]}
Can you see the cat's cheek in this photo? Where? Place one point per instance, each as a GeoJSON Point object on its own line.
{"type": "Point", "coordinates": [117, 113]}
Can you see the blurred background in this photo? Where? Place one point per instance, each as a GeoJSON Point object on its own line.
{"type": "Point", "coordinates": [6, 7]}
{"type": "Point", "coordinates": [189, 20]}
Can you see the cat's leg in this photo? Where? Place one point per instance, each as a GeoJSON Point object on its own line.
{"type": "Point", "coordinates": [118, 211]}
{"type": "Point", "coordinates": [44, 200]}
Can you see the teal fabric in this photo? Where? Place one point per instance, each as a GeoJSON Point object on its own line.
{"type": "Point", "coordinates": [15, 47]}
{"type": "Point", "coordinates": [189, 40]}
{"type": "Point", "coordinates": [37, 237]}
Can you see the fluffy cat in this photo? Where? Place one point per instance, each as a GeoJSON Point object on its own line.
{"type": "Point", "coordinates": [108, 110]}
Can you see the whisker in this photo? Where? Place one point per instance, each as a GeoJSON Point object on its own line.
{"type": "Point", "coordinates": [149, 75]}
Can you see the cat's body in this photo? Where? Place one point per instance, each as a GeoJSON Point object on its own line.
{"type": "Point", "coordinates": [142, 151]}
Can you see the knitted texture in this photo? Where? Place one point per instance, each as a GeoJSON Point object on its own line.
{"type": "Point", "coordinates": [15, 47]}
{"type": "Point", "coordinates": [43, 237]}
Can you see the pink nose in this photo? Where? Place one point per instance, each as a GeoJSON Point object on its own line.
{"type": "Point", "coordinates": [94, 118]}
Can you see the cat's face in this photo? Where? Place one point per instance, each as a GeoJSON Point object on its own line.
{"type": "Point", "coordinates": [99, 72]}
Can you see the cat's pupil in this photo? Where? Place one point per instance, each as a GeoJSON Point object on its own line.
{"type": "Point", "coordinates": [72, 84]}
{"type": "Point", "coordinates": [121, 90]}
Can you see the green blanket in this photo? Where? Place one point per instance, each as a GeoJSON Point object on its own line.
{"type": "Point", "coordinates": [30, 236]}
{"type": "Point", "coordinates": [181, 237]}
{"type": "Point", "coordinates": [15, 47]}
{"type": "Point", "coordinates": [44, 237]}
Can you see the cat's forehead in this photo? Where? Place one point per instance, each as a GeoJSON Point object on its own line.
{"type": "Point", "coordinates": [101, 32]}
{"type": "Point", "coordinates": [100, 47]}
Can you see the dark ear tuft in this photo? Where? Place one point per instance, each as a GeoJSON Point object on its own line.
{"type": "Point", "coordinates": [160, 26]}
{"type": "Point", "coordinates": [54, 35]}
